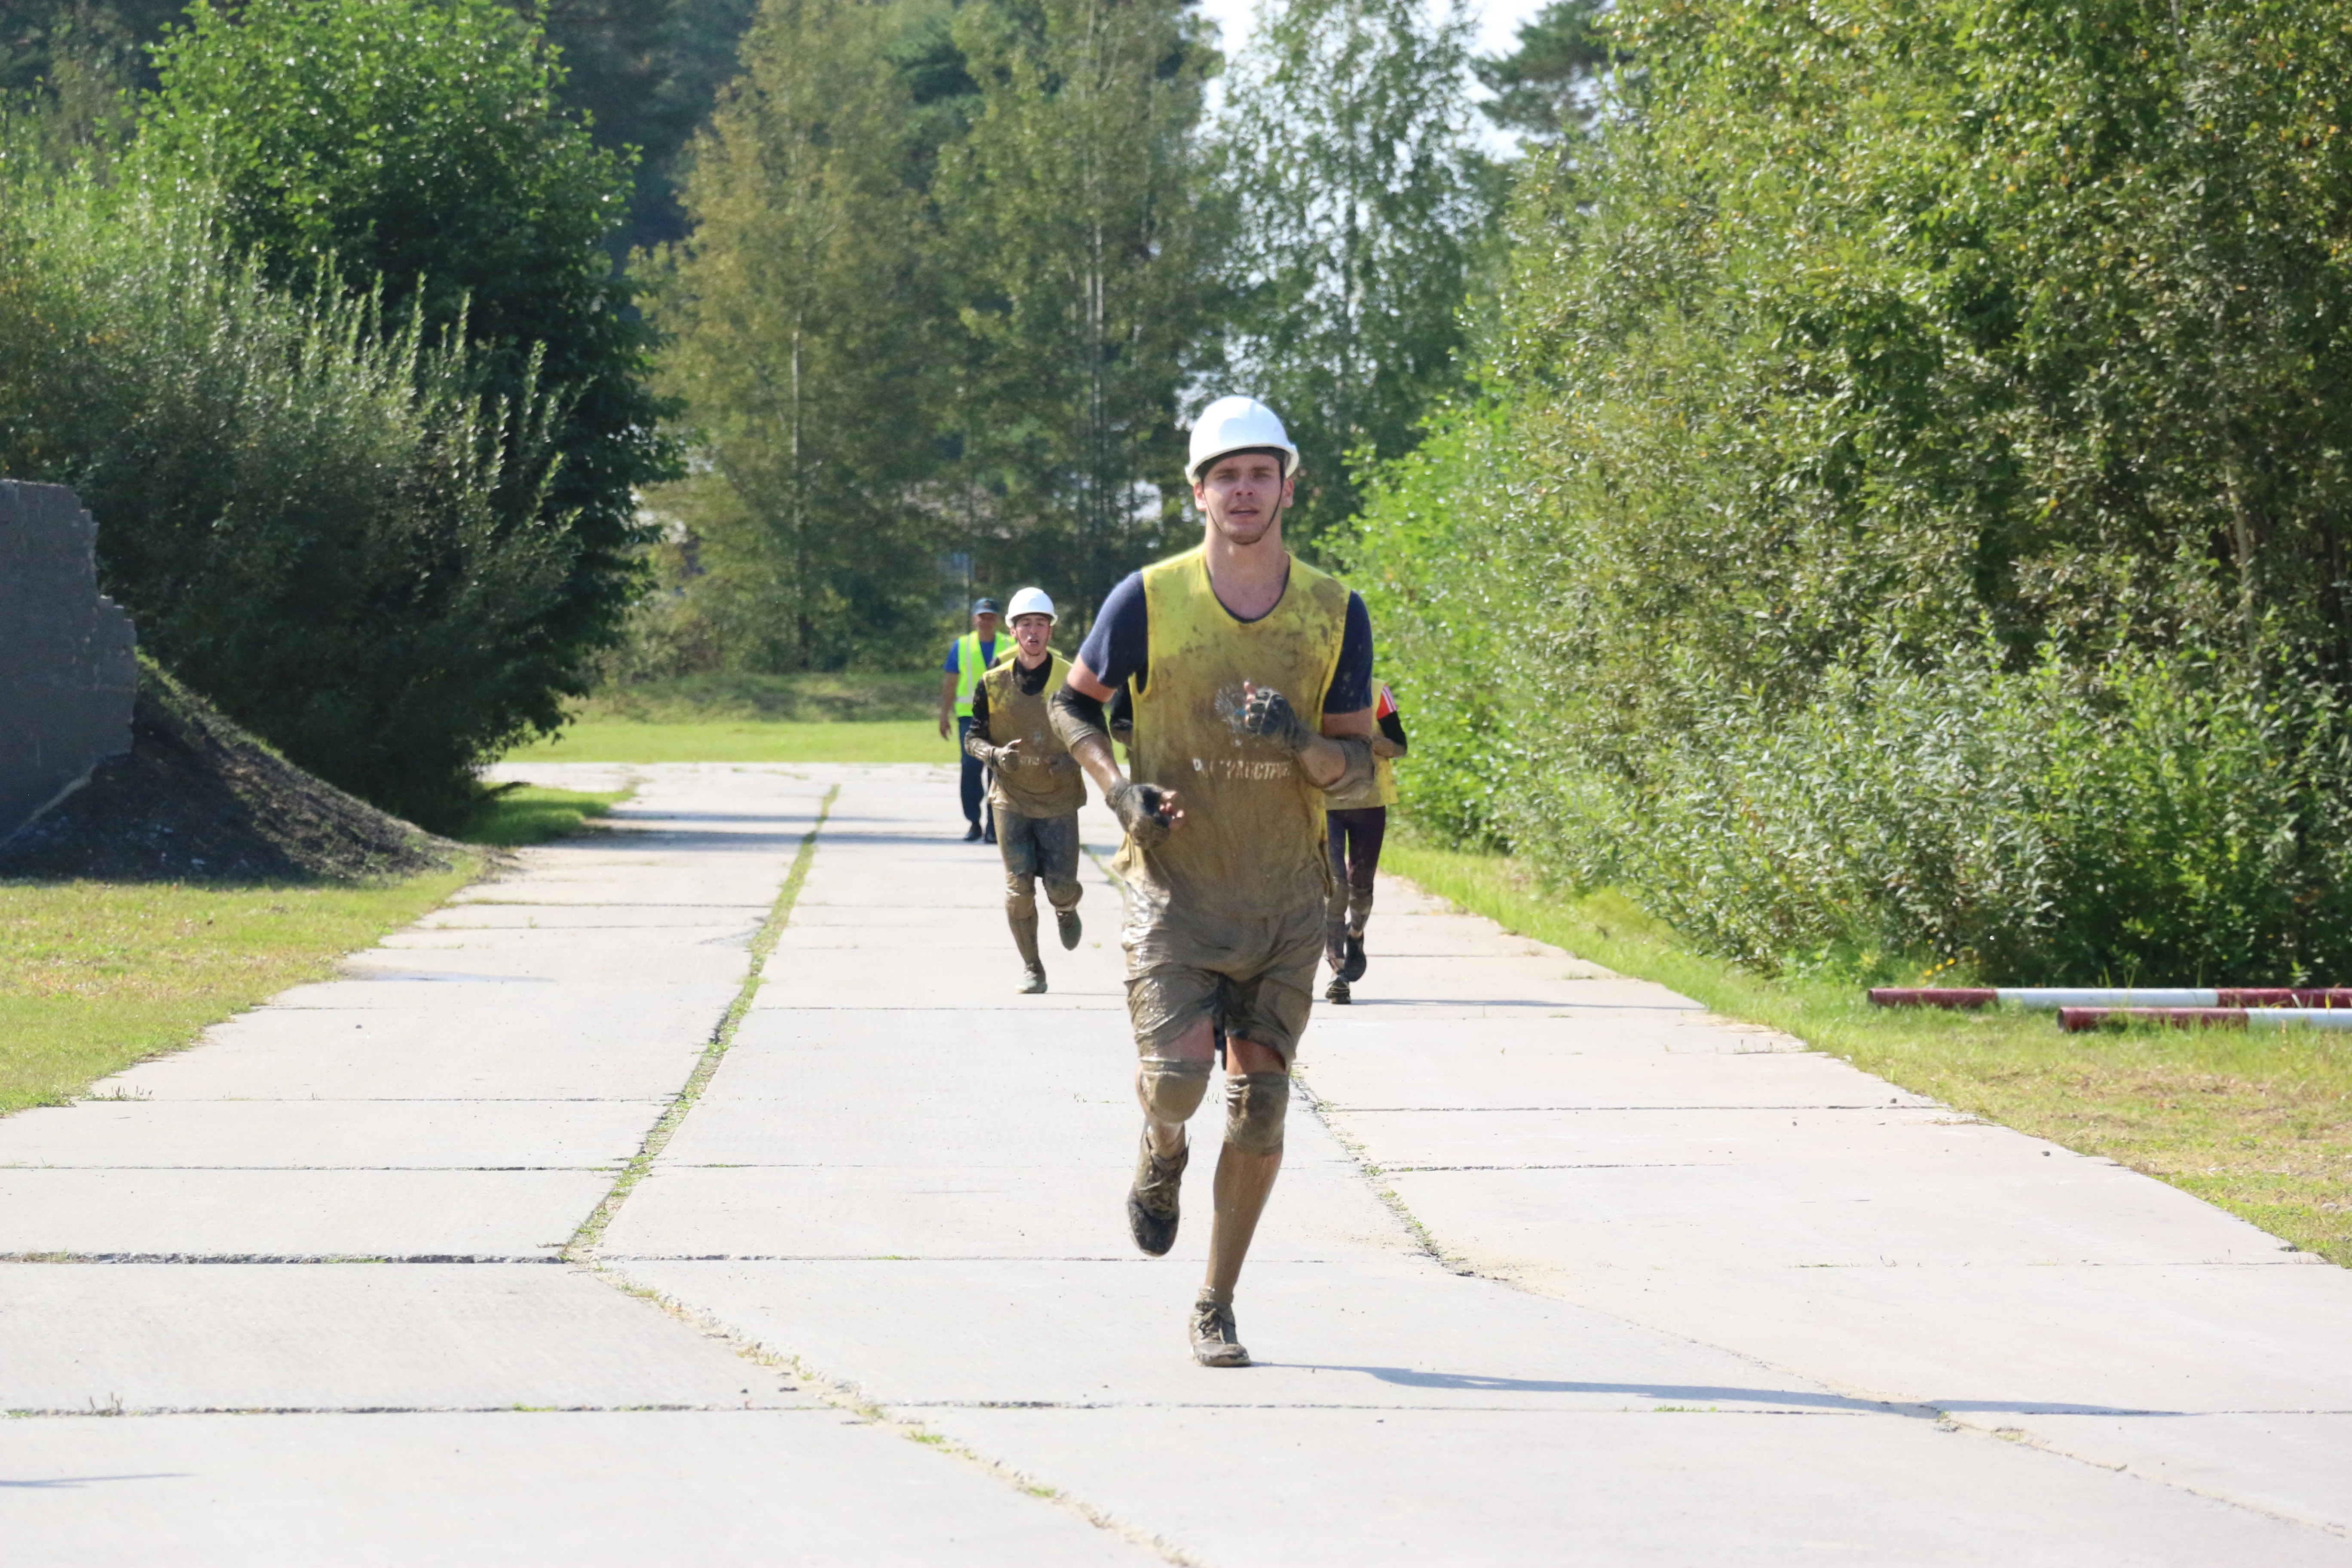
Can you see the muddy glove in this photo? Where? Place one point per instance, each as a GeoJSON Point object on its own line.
{"type": "Point", "coordinates": [1142, 809]}
{"type": "Point", "coordinates": [1268, 713]}
{"type": "Point", "coordinates": [1007, 757]}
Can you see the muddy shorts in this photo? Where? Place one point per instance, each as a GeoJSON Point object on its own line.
{"type": "Point", "coordinates": [1253, 976]}
{"type": "Point", "coordinates": [1038, 848]}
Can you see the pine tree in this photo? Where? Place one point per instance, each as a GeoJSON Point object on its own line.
{"type": "Point", "coordinates": [1364, 207]}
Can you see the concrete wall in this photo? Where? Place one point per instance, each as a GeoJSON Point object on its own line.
{"type": "Point", "coordinates": [67, 675]}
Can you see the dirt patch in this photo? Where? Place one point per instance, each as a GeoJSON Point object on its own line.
{"type": "Point", "coordinates": [197, 799]}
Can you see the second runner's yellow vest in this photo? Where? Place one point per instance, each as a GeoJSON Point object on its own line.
{"type": "Point", "coordinates": [1047, 782]}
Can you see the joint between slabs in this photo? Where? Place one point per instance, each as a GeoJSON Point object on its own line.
{"type": "Point", "coordinates": [592, 1229]}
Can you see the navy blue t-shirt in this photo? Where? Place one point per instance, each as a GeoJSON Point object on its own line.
{"type": "Point", "coordinates": [1121, 646]}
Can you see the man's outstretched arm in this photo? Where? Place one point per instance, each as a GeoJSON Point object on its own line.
{"type": "Point", "coordinates": [1148, 812]}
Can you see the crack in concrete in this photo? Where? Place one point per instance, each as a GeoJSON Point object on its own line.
{"type": "Point", "coordinates": [582, 1247]}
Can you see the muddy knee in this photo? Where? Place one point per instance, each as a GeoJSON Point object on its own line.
{"type": "Point", "coordinates": [1171, 1089]}
{"type": "Point", "coordinates": [1064, 892]}
{"type": "Point", "coordinates": [1255, 1103]}
{"type": "Point", "coordinates": [1021, 896]}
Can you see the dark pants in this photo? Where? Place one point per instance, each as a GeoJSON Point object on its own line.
{"type": "Point", "coordinates": [975, 778]}
{"type": "Point", "coordinates": [1355, 857]}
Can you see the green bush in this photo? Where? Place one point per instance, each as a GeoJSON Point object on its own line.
{"type": "Point", "coordinates": [320, 523]}
{"type": "Point", "coordinates": [1907, 509]}
{"type": "Point", "coordinates": [418, 145]}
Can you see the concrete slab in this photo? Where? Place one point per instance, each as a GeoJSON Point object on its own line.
{"type": "Point", "coordinates": [1659, 1215]}
{"type": "Point", "coordinates": [1371, 1487]}
{"type": "Point", "coordinates": [471, 996]}
{"type": "Point", "coordinates": [294, 1214]}
{"type": "Point", "coordinates": [1392, 1332]}
{"type": "Point", "coordinates": [504, 1053]}
{"type": "Point", "coordinates": [743, 920]}
{"type": "Point", "coordinates": [145, 1338]}
{"type": "Point", "coordinates": [638, 1489]}
{"type": "Point", "coordinates": [2011, 1344]}
{"type": "Point", "coordinates": [330, 1134]}
{"type": "Point", "coordinates": [1540, 1064]}
{"type": "Point", "coordinates": [1048, 1208]}
{"type": "Point", "coordinates": [553, 956]}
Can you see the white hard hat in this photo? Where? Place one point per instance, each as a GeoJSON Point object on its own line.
{"type": "Point", "coordinates": [1238, 425]}
{"type": "Point", "coordinates": [1030, 602]}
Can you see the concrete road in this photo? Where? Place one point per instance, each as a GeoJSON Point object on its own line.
{"type": "Point", "coordinates": [509, 1246]}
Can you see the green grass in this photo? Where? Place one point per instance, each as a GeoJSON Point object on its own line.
{"type": "Point", "coordinates": [862, 696]}
{"type": "Point", "coordinates": [525, 813]}
{"type": "Point", "coordinates": [97, 975]}
{"type": "Point", "coordinates": [2259, 1124]}
{"type": "Point", "coordinates": [743, 740]}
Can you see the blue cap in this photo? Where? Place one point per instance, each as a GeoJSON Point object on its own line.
{"type": "Point", "coordinates": [985, 607]}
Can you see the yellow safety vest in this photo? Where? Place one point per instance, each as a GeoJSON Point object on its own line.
{"type": "Point", "coordinates": [969, 669]}
{"type": "Point", "coordinates": [1047, 782]}
{"type": "Point", "coordinates": [1252, 843]}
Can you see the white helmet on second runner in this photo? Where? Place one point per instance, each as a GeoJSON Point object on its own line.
{"type": "Point", "coordinates": [1029, 602]}
{"type": "Point", "coordinates": [1238, 425]}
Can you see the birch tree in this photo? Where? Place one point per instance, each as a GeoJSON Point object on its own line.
{"type": "Point", "coordinates": [1364, 205]}
{"type": "Point", "coordinates": [1087, 258]}
{"type": "Point", "coordinates": [811, 338]}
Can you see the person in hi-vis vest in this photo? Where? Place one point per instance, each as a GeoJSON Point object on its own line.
{"type": "Point", "coordinates": [1035, 788]}
{"type": "Point", "coordinates": [969, 657]}
{"type": "Point", "coordinates": [1250, 677]}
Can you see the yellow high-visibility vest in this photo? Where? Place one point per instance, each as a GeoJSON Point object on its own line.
{"type": "Point", "coordinates": [969, 670]}
{"type": "Point", "coordinates": [1254, 842]}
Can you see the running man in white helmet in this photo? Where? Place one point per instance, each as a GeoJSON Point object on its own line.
{"type": "Point", "coordinates": [1250, 676]}
{"type": "Point", "coordinates": [1035, 788]}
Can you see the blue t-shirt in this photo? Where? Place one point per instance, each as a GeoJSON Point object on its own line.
{"type": "Point", "coordinates": [987, 656]}
{"type": "Point", "coordinates": [1120, 647]}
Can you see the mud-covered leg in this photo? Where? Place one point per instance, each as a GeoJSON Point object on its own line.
{"type": "Point", "coordinates": [1335, 914]}
{"type": "Point", "coordinates": [1171, 1085]}
{"type": "Point", "coordinates": [1017, 846]}
{"type": "Point", "coordinates": [1255, 1105]}
{"type": "Point", "coordinates": [1366, 833]}
{"type": "Point", "coordinates": [1057, 865]}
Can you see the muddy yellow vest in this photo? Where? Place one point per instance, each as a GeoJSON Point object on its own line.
{"type": "Point", "coordinates": [968, 668]}
{"type": "Point", "coordinates": [1047, 782]}
{"type": "Point", "coordinates": [1252, 843]}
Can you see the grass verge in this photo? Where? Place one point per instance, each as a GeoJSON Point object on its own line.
{"type": "Point", "coordinates": [2259, 1124]}
{"type": "Point", "coordinates": [97, 975]}
{"type": "Point", "coordinates": [516, 815]}
{"type": "Point", "coordinates": [741, 741]}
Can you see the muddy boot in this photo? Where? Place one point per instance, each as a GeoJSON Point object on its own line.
{"type": "Point", "coordinates": [1353, 970]}
{"type": "Point", "coordinates": [1151, 1201]}
{"type": "Point", "coordinates": [1066, 923]}
{"type": "Point", "coordinates": [1214, 1342]}
{"type": "Point", "coordinates": [1024, 937]}
{"type": "Point", "coordinates": [1337, 991]}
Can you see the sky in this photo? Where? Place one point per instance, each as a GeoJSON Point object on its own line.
{"type": "Point", "coordinates": [1497, 27]}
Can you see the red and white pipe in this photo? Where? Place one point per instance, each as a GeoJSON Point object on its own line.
{"type": "Point", "coordinates": [2081, 1019]}
{"type": "Point", "coordinates": [2267, 997]}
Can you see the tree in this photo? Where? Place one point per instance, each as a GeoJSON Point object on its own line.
{"type": "Point", "coordinates": [417, 144]}
{"type": "Point", "coordinates": [1084, 250]}
{"type": "Point", "coordinates": [1364, 207]}
{"type": "Point", "coordinates": [322, 525]}
{"type": "Point", "coordinates": [812, 341]}
{"type": "Point", "coordinates": [1545, 89]}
